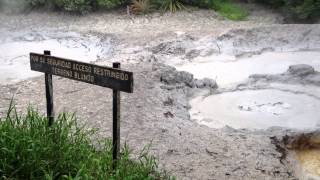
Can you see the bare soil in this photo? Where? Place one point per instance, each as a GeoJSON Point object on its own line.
{"type": "Point", "coordinates": [158, 111]}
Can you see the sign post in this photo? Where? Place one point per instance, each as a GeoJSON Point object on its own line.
{"type": "Point", "coordinates": [114, 78]}
{"type": "Point", "coordinates": [116, 121]}
{"type": "Point", "coordinates": [49, 94]}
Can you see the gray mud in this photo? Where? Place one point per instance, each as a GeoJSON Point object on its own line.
{"type": "Point", "coordinates": [160, 115]}
{"type": "Point", "coordinates": [296, 74]}
{"type": "Point", "coordinates": [158, 110]}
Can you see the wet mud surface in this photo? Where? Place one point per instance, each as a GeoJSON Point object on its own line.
{"type": "Point", "coordinates": [227, 68]}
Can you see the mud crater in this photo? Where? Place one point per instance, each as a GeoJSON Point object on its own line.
{"type": "Point", "coordinates": [16, 46]}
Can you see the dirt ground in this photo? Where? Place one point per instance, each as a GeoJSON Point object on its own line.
{"type": "Point", "coordinates": [158, 111]}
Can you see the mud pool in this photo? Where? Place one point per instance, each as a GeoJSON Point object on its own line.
{"type": "Point", "coordinates": [229, 70]}
{"type": "Point", "coordinates": [255, 109]}
{"type": "Point", "coordinates": [16, 46]}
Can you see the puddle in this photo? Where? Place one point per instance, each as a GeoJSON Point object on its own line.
{"type": "Point", "coordinates": [227, 70]}
{"type": "Point", "coordinates": [15, 48]}
{"type": "Point", "coordinates": [257, 109]}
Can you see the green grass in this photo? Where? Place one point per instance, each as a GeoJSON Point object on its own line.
{"type": "Point", "coordinates": [230, 10]}
{"type": "Point", "coordinates": [29, 149]}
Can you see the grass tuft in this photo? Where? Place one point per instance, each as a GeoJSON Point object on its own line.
{"type": "Point", "coordinates": [31, 150]}
{"type": "Point", "coordinates": [230, 10]}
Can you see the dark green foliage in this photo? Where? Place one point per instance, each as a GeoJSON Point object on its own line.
{"type": "Point", "coordinates": [141, 6]}
{"type": "Point", "coordinates": [226, 8]}
{"type": "Point", "coordinates": [292, 9]}
{"type": "Point", "coordinates": [271, 3]}
{"type": "Point", "coordinates": [108, 4]}
{"type": "Point", "coordinates": [296, 9]}
{"type": "Point", "coordinates": [37, 3]}
{"type": "Point", "coordinates": [31, 150]}
{"type": "Point", "coordinates": [303, 9]}
{"type": "Point", "coordinates": [207, 4]}
{"type": "Point", "coordinates": [230, 10]}
{"type": "Point", "coordinates": [76, 6]}
{"type": "Point", "coordinates": [172, 5]}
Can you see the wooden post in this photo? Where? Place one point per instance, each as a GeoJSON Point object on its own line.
{"type": "Point", "coordinates": [49, 94]}
{"type": "Point", "coordinates": [116, 122]}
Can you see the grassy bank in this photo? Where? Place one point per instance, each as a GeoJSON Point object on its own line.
{"type": "Point", "coordinates": [31, 150]}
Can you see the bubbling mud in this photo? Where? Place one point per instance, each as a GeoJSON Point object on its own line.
{"type": "Point", "coordinates": [257, 109]}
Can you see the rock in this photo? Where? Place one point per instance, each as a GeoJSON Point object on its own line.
{"type": "Point", "coordinates": [296, 74]}
{"type": "Point", "coordinates": [171, 47]}
{"type": "Point", "coordinates": [173, 77]}
{"type": "Point", "coordinates": [206, 82]}
{"type": "Point", "coordinates": [199, 83]}
{"type": "Point", "coordinates": [192, 54]}
{"type": "Point", "coordinates": [258, 76]}
{"type": "Point", "coordinates": [301, 70]}
{"type": "Point", "coordinates": [210, 83]}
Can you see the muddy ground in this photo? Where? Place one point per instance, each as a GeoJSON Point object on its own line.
{"type": "Point", "coordinates": [158, 110]}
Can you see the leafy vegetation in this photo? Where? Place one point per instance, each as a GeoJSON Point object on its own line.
{"type": "Point", "coordinates": [32, 150]}
{"type": "Point", "coordinates": [172, 5]}
{"type": "Point", "coordinates": [141, 6]}
{"type": "Point", "coordinates": [296, 9]}
{"type": "Point", "coordinates": [230, 10]}
{"type": "Point", "coordinates": [108, 4]}
{"type": "Point", "coordinates": [292, 9]}
{"type": "Point", "coordinates": [82, 6]}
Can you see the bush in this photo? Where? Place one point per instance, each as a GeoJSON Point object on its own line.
{"type": "Point", "coordinates": [207, 4]}
{"type": "Point", "coordinates": [226, 8]}
{"type": "Point", "coordinates": [75, 6]}
{"type": "Point", "coordinates": [172, 5]}
{"type": "Point", "coordinates": [32, 150]}
{"type": "Point", "coordinates": [141, 6]}
{"type": "Point", "coordinates": [296, 9]}
{"type": "Point", "coordinates": [108, 4]}
{"type": "Point", "coordinates": [230, 11]}
{"type": "Point", "coordinates": [271, 3]}
{"type": "Point", "coordinates": [303, 9]}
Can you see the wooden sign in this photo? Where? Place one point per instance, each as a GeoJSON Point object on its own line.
{"type": "Point", "coordinates": [113, 78]}
{"type": "Point", "coordinates": [85, 72]}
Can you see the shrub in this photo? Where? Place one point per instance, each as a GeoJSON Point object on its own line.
{"type": "Point", "coordinates": [226, 8]}
{"type": "Point", "coordinates": [108, 4]}
{"type": "Point", "coordinates": [172, 5]}
{"type": "Point", "coordinates": [296, 9]}
{"type": "Point", "coordinates": [75, 6]}
{"type": "Point", "coordinates": [303, 9]}
{"type": "Point", "coordinates": [207, 4]}
{"type": "Point", "coordinates": [230, 10]}
{"type": "Point", "coordinates": [32, 150]}
{"type": "Point", "coordinates": [141, 6]}
{"type": "Point", "coordinates": [272, 3]}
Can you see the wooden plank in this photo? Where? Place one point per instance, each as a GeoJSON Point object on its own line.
{"type": "Point", "coordinates": [98, 75]}
{"type": "Point", "coordinates": [49, 95]}
{"type": "Point", "coordinates": [116, 123]}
